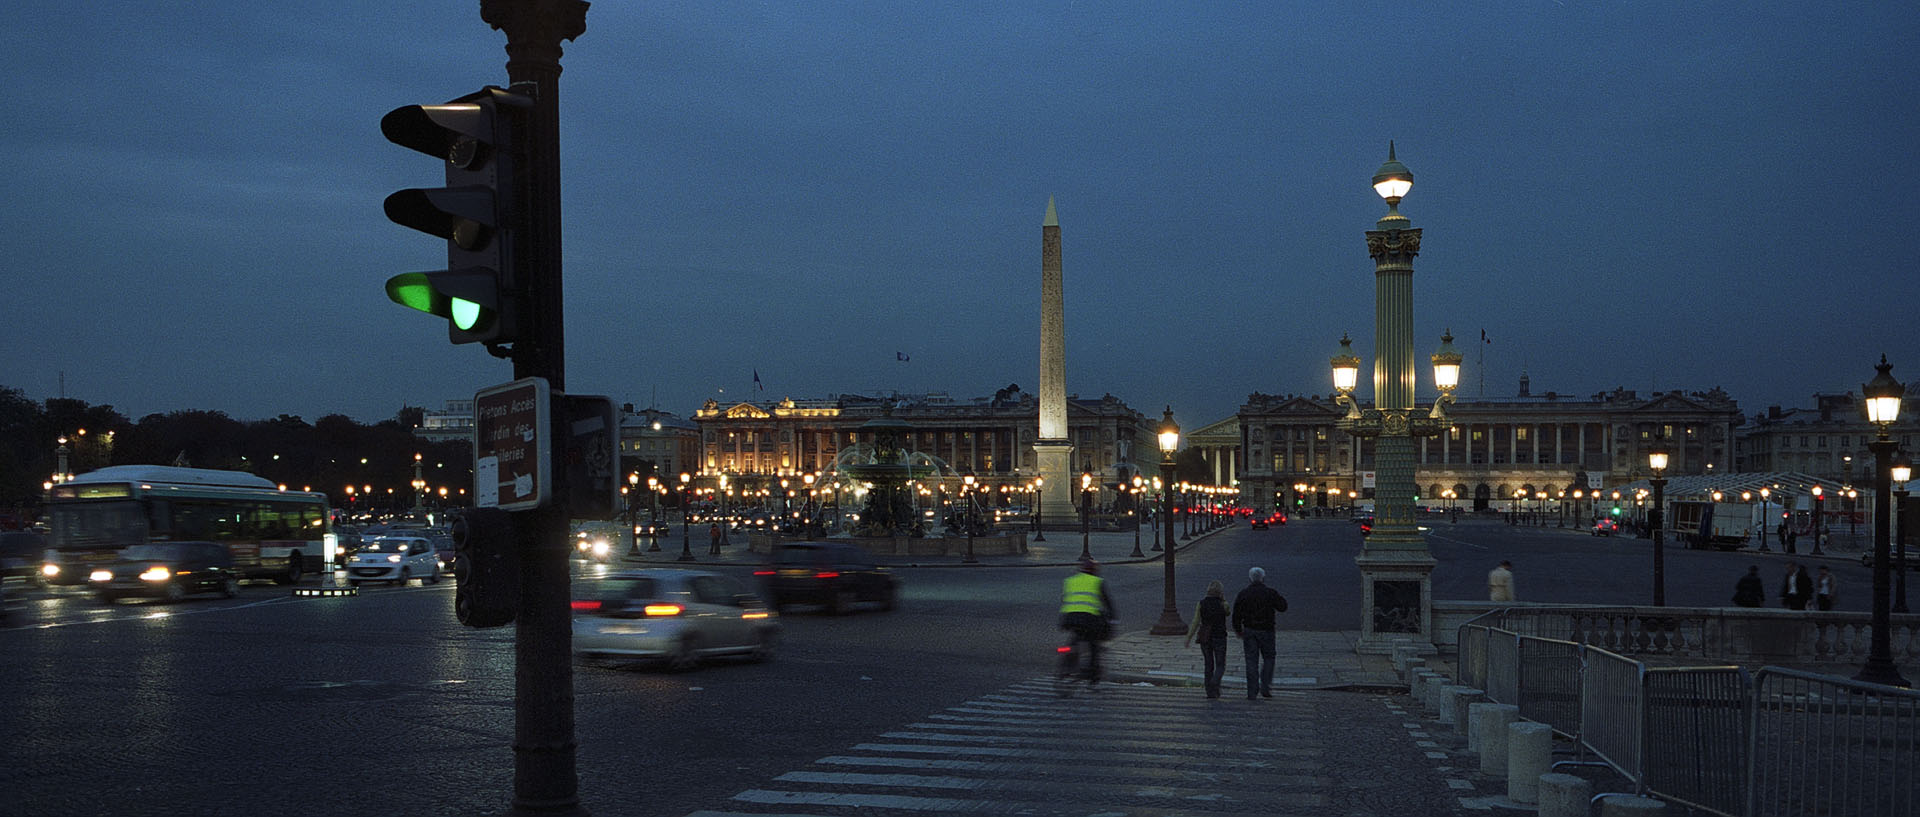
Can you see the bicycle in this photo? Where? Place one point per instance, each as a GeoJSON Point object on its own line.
{"type": "Point", "coordinates": [1070, 670]}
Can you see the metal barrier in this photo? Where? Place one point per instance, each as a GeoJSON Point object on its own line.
{"type": "Point", "coordinates": [1503, 667]}
{"type": "Point", "coordinates": [1613, 720]}
{"type": "Point", "coordinates": [1820, 744]}
{"type": "Point", "coordinates": [1473, 655]}
{"type": "Point", "coordinates": [1695, 747]}
{"type": "Point", "coordinates": [1549, 683]}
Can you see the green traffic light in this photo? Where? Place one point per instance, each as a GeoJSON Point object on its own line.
{"type": "Point", "coordinates": [412, 291]}
{"type": "Point", "coordinates": [465, 314]}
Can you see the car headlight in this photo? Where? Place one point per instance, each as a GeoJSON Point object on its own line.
{"type": "Point", "coordinates": [393, 557]}
{"type": "Point", "coordinates": [101, 576]}
{"type": "Point", "coordinates": [600, 548]}
{"type": "Point", "coordinates": [49, 569]}
{"type": "Point", "coordinates": [157, 573]}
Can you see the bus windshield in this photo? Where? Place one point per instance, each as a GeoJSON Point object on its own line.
{"type": "Point", "coordinates": [98, 524]}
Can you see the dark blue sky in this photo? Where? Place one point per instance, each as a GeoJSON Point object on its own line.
{"type": "Point", "coordinates": [1648, 195]}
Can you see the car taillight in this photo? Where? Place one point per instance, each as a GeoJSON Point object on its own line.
{"type": "Point", "coordinates": [662, 609]}
{"type": "Point", "coordinates": [762, 572]}
{"type": "Point", "coordinates": [1064, 648]}
{"type": "Point", "coordinates": [827, 574]}
{"type": "Point", "coordinates": [582, 606]}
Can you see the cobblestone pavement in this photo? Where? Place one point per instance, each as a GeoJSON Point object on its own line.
{"type": "Point", "coordinates": [1136, 749]}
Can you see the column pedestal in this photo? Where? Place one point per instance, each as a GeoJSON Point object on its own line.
{"type": "Point", "coordinates": [1058, 509]}
{"type": "Point", "coordinates": [1396, 599]}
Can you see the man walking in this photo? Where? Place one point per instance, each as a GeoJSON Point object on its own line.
{"type": "Point", "coordinates": [1823, 591]}
{"type": "Point", "coordinates": [1253, 612]}
{"type": "Point", "coordinates": [1500, 582]}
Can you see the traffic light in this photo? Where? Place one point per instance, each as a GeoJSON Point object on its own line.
{"type": "Point", "coordinates": [479, 212]}
{"type": "Point", "coordinates": [487, 567]}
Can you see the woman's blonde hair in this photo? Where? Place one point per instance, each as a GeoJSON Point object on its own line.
{"type": "Point", "coordinates": [1215, 589]}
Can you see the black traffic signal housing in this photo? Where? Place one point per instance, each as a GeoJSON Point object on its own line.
{"type": "Point", "coordinates": [487, 566]}
{"type": "Point", "coordinates": [480, 212]}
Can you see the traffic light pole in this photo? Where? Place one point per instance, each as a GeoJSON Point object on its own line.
{"type": "Point", "coordinates": [545, 776]}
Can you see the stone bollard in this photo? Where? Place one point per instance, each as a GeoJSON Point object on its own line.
{"type": "Point", "coordinates": [1490, 722]}
{"type": "Point", "coordinates": [1631, 807]}
{"type": "Point", "coordinates": [1444, 697]}
{"type": "Point", "coordinates": [1464, 697]}
{"type": "Point", "coordinates": [1412, 666]}
{"type": "Point", "coordinates": [1417, 687]}
{"type": "Point", "coordinates": [1402, 653]}
{"type": "Point", "coordinates": [1429, 682]}
{"type": "Point", "coordinates": [1564, 795]}
{"type": "Point", "coordinates": [1437, 705]}
{"type": "Point", "coordinates": [1529, 755]}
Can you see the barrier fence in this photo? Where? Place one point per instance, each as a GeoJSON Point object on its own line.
{"type": "Point", "coordinates": [1715, 739]}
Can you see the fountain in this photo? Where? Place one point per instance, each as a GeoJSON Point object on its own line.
{"type": "Point", "coordinates": [885, 468]}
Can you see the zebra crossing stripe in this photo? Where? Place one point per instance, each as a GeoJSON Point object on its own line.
{"type": "Point", "coordinates": [899, 802]}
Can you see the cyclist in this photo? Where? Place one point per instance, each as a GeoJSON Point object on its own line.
{"type": "Point", "coordinates": [1087, 610]}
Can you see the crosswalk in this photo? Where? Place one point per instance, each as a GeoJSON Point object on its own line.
{"type": "Point", "coordinates": [1024, 750]}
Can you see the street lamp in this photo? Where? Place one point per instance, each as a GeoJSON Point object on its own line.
{"type": "Point", "coordinates": [1819, 523]}
{"type": "Point", "coordinates": [1883, 408]}
{"type": "Point", "coordinates": [1766, 518]}
{"type": "Point", "coordinates": [633, 514]}
{"type": "Point", "coordinates": [686, 518]}
{"type": "Point", "coordinates": [1086, 511]}
{"type": "Point", "coordinates": [1137, 553]}
{"type": "Point", "coordinates": [1169, 434]}
{"type": "Point", "coordinates": [1657, 460]}
{"type": "Point", "coordinates": [654, 490]}
{"type": "Point", "coordinates": [1901, 472]}
{"type": "Point", "coordinates": [966, 490]}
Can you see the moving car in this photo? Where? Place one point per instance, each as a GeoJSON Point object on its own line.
{"type": "Point", "coordinates": [1605, 526]}
{"type": "Point", "coordinates": [834, 574]}
{"type": "Point", "coordinates": [20, 554]}
{"type": "Point", "coordinates": [395, 559]}
{"type": "Point", "coordinates": [680, 617]}
{"type": "Point", "coordinates": [167, 570]}
{"type": "Point", "coordinates": [1259, 523]}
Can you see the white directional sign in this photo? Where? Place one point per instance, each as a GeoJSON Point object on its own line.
{"type": "Point", "coordinates": [512, 445]}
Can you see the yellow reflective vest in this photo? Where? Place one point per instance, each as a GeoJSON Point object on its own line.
{"type": "Point", "coordinates": [1081, 594]}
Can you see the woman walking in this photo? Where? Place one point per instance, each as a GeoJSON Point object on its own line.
{"type": "Point", "coordinates": [1209, 627]}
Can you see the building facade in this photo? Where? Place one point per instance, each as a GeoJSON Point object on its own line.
{"type": "Point", "coordinates": [455, 422]}
{"type": "Point", "coordinates": [667, 441]}
{"type": "Point", "coordinates": [1828, 441]}
{"type": "Point", "coordinates": [991, 437]}
{"type": "Point", "coordinates": [1294, 453]}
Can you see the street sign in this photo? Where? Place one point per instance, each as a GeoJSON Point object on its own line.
{"type": "Point", "coordinates": [512, 445]}
{"type": "Point", "coordinates": [592, 457]}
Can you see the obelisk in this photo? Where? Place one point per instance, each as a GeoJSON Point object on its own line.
{"type": "Point", "coordinates": [1054, 447]}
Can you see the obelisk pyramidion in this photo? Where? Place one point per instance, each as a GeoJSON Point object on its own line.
{"type": "Point", "coordinates": [1053, 447]}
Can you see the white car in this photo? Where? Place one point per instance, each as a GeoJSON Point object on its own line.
{"type": "Point", "coordinates": [394, 559]}
{"type": "Point", "coordinates": [680, 617]}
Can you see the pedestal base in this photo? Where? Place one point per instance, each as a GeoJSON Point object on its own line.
{"type": "Point", "coordinates": [1396, 599]}
{"type": "Point", "coordinates": [1058, 507]}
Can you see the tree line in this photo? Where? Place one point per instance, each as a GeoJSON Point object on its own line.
{"type": "Point", "coordinates": [326, 455]}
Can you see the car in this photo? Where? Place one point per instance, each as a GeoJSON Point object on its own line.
{"type": "Point", "coordinates": [679, 617]}
{"type": "Point", "coordinates": [20, 554]}
{"type": "Point", "coordinates": [1605, 527]}
{"type": "Point", "coordinates": [1365, 523]}
{"type": "Point", "coordinates": [1258, 523]}
{"type": "Point", "coordinates": [395, 559]}
{"type": "Point", "coordinates": [167, 570]}
{"type": "Point", "coordinates": [1913, 560]}
{"type": "Point", "coordinates": [836, 575]}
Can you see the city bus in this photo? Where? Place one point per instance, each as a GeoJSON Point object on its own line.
{"type": "Point", "coordinates": [272, 533]}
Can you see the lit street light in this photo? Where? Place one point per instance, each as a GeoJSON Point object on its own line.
{"type": "Point", "coordinates": [1169, 436]}
{"type": "Point", "coordinates": [1657, 460]}
{"type": "Point", "coordinates": [1901, 472]}
{"type": "Point", "coordinates": [1883, 408]}
{"type": "Point", "coordinates": [686, 519]}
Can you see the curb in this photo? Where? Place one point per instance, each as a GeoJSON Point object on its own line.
{"type": "Point", "coordinates": [1179, 547]}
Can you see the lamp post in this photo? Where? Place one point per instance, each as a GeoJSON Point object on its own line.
{"type": "Point", "coordinates": [1169, 623]}
{"type": "Point", "coordinates": [686, 518]}
{"type": "Point", "coordinates": [1901, 472]}
{"type": "Point", "coordinates": [1185, 504]}
{"type": "Point", "coordinates": [1039, 525]}
{"type": "Point", "coordinates": [654, 490]}
{"type": "Point", "coordinates": [1657, 460]}
{"type": "Point", "coordinates": [1137, 553]}
{"type": "Point", "coordinates": [806, 522]}
{"type": "Point", "coordinates": [1883, 408]}
{"type": "Point", "coordinates": [1819, 521]}
{"type": "Point", "coordinates": [966, 490]}
{"type": "Point", "coordinates": [633, 514]}
{"type": "Point", "coordinates": [1161, 519]}
{"type": "Point", "coordinates": [1766, 518]}
{"type": "Point", "coordinates": [1395, 566]}
{"type": "Point", "coordinates": [1086, 501]}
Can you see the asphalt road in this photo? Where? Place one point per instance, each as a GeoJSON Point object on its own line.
{"type": "Point", "coordinates": [383, 704]}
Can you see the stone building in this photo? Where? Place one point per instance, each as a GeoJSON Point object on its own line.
{"type": "Point", "coordinates": [1294, 453]}
{"type": "Point", "coordinates": [669, 442]}
{"type": "Point", "coordinates": [1828, 441]}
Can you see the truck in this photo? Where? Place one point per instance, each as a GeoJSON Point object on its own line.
{"type": "Point", "coordinates": [1701, 525]}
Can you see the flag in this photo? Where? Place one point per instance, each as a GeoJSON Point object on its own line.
{"type": "Point", "coordinates": [900, 356]}
{"type": "Point", "coordinates": [1483, 337]}
{"type": "Point", "coordinates": [756, 381]}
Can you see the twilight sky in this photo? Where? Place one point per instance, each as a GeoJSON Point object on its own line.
{"type": "Point", "coordinates": [1639, 194]}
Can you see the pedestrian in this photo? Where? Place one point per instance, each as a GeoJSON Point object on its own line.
{"type": "Point", "coordinates": [1500, 582]}
{"type": "Point", "coordinates": [1750, 591]}
{"type": "Point", "coordinates": [1793, 536]}
{"type": "Point", "coordinates": [1209, 627]}
{"type": "Point", "coordinates": [1823, 588]}
{"type": "Point", "coordinates": [1783, 537]}
{"type": "Point", "coordinates": [1789, 592]}
{"type": "Point", "coordinates": [1252, 618]}
{"type": "Point", "coordinates": [713, 535]}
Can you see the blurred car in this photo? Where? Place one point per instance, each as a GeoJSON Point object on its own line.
{"type": "Point", "coordinates": [20, 554]}
{"type": "Point", "coordinates": [1366, 525]}
{"type": "Point", "coordinates": [1258, 523]}
{"type": "Point", "coordinates": [394, 559]}
{"type": "Point", "coordinates": [834, 574]}
{"type": "Point", "coordinates": [680, 617]}
{"type": "Point", "coordinates": [593, 546]}
{"type": "Point", "coordinates": [1605, 527]}
{"type": "Point", "coordinates": [167, 570]}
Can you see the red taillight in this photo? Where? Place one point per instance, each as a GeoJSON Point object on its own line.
{"type": "Point", "coordinates": [579, 605]}
{"type": "Point", "coordinates": [1064, 648]}
{"type": "Point", "coordinates": [662, 609]}
{"type": "Point", "coordinates": [762, 572]}
{"type": "Point", "coordinates": [827, 574]}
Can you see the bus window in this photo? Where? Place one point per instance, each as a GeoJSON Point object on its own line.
{"type": "Point", "coordinates": [98, 523]}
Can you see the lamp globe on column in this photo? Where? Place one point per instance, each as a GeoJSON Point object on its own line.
{"type": "Point", "coordinates": [1346, 376]}
{"type": "Point", "coordinates": [1657, 457]}
{"type": "Point", "coordinates": [1169, 436]}
{"type": "Point", "coordinates": [1883, 395]}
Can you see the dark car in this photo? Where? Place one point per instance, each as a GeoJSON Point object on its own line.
{"type": "Point", "coordinates": [834, 574]}
{"type": "Point", "coordinates": [20, 554]}
{"type": "Point", "coordinates": [1259, 523]}
{"type": "Point", "coordinates": [1605, 527]}
{"type": "Point", "coordinates": [1366, 525]}
{"type": "Point", "coordinates": [168, 570]}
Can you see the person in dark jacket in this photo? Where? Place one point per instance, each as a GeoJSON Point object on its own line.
{"type": "Point", "coordinates": [1210, 628]}
{"type": "Point", "coordinates": [1751, 591]}
{"type": "Point", "coordinates": [1252, 616]}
